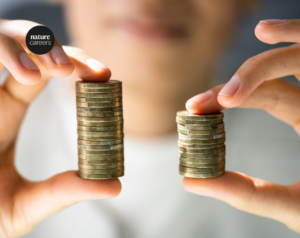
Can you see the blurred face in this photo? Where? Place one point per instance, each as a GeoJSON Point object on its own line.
{"type": "Point", "coordinates": [161, 46]}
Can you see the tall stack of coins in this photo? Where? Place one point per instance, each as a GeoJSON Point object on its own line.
{"type": "Point", "coordinates": [201, 144]}
{"type": "Point", "coordinates": [100, 129]}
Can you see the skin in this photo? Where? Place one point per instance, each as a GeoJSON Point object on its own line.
{"type": "Point", "coordinates": [148, 64]}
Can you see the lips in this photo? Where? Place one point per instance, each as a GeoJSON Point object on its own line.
{"type": "Point", "coordinates": [152, 28]}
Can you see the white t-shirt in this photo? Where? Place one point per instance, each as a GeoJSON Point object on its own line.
{"type": "Point", "coordinates": [152, 202]}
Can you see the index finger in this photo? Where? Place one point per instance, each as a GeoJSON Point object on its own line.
{"type": "Point", "coordinates": [85, 68]}
{"type": "Point", "coordinates": [274, 31]}
{"type": "Point", "coordinates": [55, 63]}
{"type": "Point", "coordinates": [268, 65]}
{"type": "Point", "coordinates": [277, 97]}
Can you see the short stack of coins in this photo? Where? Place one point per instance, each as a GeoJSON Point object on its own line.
{"type": "Point", "coordinates": [201, 144]}
{"type": "Point", "coordinates": [100, 129]}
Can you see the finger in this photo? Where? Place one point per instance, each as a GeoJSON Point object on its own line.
{"type": "Point", "coordinates": [268, 65]}
{"type": "Point", "coordinates": [274, 31]}
{"type": "Point", "coordinates": [56, 62]}
{"type": "Point", "coordinates": [1, 67]}
{"type": "Point", "coordinates": [61, 191]}
{"type": "Point", "coordinates": [277, 97]}
{"type": "Point", "coordinates": [250, 195]}
{"type": "Point", "coordinates": [86, 67]}
{"type": "Point", "coordinates": [280, 99]}
{"type": "Point", "coordinates": [16, 60]}
{"type": "Point", "coordinates": [206, 102]}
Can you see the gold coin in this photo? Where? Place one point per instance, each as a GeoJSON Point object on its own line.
{"type": "Point", "coordinates": [102, 157]}
{"type": "Point", "coordinates": [101, 147]}
{"type": "Point", "coordinates": [98, 104]}
{"type": "Point", "coordinates": [100, 119]}
{"type": "Point", "coordinates": [100, 124]}
{"type": "Point", "coordinates": [98, 95]}
{"type": "Point", "coordinates": [116, 99]}
{"type": "Point", "coordinates": [100, 176]}
{"type": "Point", "coordinates": [101, 139]}
{"type": "Point", "coordinates": [201, 161]}
{"type": "Point", "coordinates": [185, 115]}
{"type": "Point", "coordinates": [202, 142]}
{"type": "Point", "coordinates": [87, 142]}
{"type": "Point", "coordinates": [197, 146]}
{"type": "Point", "coordinates": [200, 170]}
{"type": "Point", "coordinates": [204, 127]}
{"type": "Point", "coordinates": [109, 109]}
{"type": "Point", "coordinates": [100, 152]}
{"type": "Point", "coordinates": [98, 90]}
{"type": "Point", "coordinates": [194, 132]}
{"type": "Point", "coordinates": [92, 84]}
{"type": "Point", "coordinates": [100, 133]}
{"type": "Point", "coordinates": [101, 166]}
{"type": "Point", "coordinates": [100, 162]}
{"type": "Point", "coordinates": [101, 171]}
{"type": "Point", "coordinates": [202, 175]}
{"type": "Point", "coordinates": [100, 128]}
{"type": "Point", "coordinates": [201, 137]}
{"type": "Point", "coordinates": [199, 123]}
{"type": "Point", "coordinates": [202, 151]}
{"type": "Point", "coordinates": [101, 114]}
{"type": "Point", "coordinates": [201, 156]}
{"type": "Point", "coordinates": [211, 165]}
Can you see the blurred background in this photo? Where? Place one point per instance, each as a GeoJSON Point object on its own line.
{"type": "Point", "coordinates": [41, 11]}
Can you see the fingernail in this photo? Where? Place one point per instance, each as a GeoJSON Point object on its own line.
{"type": "Point", "coordinates": [198, 99]}
{"type": "Point", "coordinates": [201, 98]}
{"type": "Point", "coordinates": [95, 64]}
{"type": "Point", "coordinates": [199, 193]}
{"type": "Point", "coordinates": [190, 106]}
{"type": "Point", "coordinates": [273, 22]}
{"type": "Point", "coordinates": [59, 56]}
{"type": "Point", "coordinates": [27, 62]}
{"type": "Point", "coordinates": [231, 87]}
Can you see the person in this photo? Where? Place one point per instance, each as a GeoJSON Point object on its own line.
{"type": "Point", "coordinates": [164, 52]}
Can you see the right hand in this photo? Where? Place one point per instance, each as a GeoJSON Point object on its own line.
{"type": "Point", "coordinates": [23, 203]}
{"type": "Point", "coordinates": [256, 84]}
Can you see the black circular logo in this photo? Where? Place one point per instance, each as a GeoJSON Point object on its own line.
{"type": "Point", "coordinates": [40, 40]}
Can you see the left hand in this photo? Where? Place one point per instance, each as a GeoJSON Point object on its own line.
{"type": "Point", "coordinates": [256, 85]}
{"type": "Point", "coordinates": [24, 203]}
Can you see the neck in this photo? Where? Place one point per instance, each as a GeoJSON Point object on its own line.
{"type": "Point", "coordinates": [153, 114]}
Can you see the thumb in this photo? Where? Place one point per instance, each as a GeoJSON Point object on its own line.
{"type": "Point", "coordinates": [251, 195]}
{"type": "Point", "coordinates": [43, 199]}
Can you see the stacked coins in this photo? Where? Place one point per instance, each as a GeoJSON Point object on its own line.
{"type": "Point", "coordinates": [201, 144]}
{"type": "Point", "coordinates": [100, 129]}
